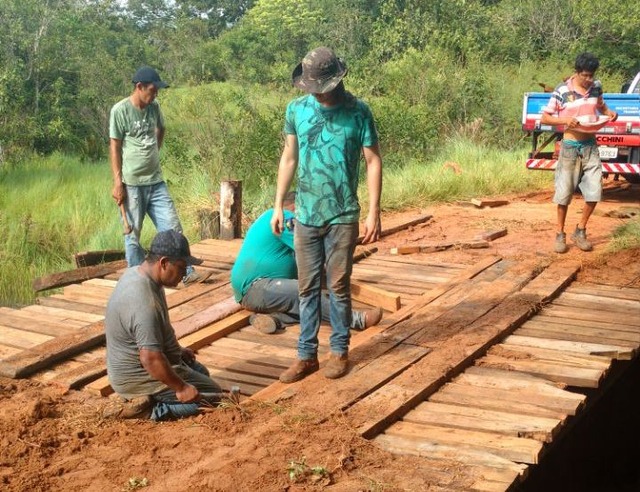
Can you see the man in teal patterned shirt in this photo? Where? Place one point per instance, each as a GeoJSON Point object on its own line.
{"type": "Point", "coordinates": [326, 132]}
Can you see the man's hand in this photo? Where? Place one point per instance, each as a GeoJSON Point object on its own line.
{"type": "Point", "coordinates": [119, 193]}
{"type": "Point", "coordinates": [277, 222]}
{"type": "Point", "coordinates": [613, 116]}
{"type": "Point", "coordinates": [571, 122]}
{"type": "Point", "coordinates": [188, 394]}
{"type": "Point", "coordinates": [188, 355]}
{"type": "Point", "coordinates": [371, 228]}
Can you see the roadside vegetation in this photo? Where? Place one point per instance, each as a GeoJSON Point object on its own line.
{"type": "Point", "coordinates": [444, 79]}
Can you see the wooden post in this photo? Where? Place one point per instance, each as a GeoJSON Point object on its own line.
{"type": "Point", "coordinates": [230, 209]}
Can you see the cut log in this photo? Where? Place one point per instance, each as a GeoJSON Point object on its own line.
{"type": "Point", "coordinates": [491, 235]}
{"type": "Point", "coordinates": [69, 277]}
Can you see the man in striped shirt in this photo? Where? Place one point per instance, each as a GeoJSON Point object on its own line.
{"type": "Point", "coordinates": [577, 104]}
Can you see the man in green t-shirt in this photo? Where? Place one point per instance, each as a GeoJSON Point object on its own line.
{"type": "Point", "coordinates": [136, 132]}
{"type": "Point", "coordinates": [326, 132]}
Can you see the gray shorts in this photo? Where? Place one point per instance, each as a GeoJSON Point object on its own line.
{"type": "Point", "coordinates": [578, 165]}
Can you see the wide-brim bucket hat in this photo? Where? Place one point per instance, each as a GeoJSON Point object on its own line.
{"type": "Point", "coordinates": [320, 71]}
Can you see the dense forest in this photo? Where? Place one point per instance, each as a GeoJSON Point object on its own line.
{"type": "Point", "coordinates": [430, 65]}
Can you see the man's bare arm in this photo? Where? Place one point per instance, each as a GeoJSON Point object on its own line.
{"type": "Point", "coordinates": [286, 172]}
{"type": "Point", "coordinates": [158, 367]}
{"type": "Point", "coordinates": [115, 155]}
{"type": "Point", "coordinates": [373, 161]}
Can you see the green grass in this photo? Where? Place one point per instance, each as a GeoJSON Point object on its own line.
{"type": "Point", "coordinates": [51, 208]}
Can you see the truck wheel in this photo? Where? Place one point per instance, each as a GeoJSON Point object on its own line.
{"type": "Point", "coordinates": [632, 178]}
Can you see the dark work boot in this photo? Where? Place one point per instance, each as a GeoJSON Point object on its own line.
{"type": "Point", "coordinates": [299, 370]}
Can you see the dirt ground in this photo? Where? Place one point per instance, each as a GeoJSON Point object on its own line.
{"type": "Point", "coordinates": [52, 440]}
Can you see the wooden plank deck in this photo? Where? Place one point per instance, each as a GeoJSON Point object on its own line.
{"type": "Point", "coordinates": [489, 407]}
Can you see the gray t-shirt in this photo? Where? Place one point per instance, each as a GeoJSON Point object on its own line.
{"type": "Point", "coordinates": [137, 317]}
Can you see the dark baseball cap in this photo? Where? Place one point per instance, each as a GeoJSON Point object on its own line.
{"type": "Point", "coordinates": [148, 75]}
{"type": "Point", "coordinates": [174, 245]}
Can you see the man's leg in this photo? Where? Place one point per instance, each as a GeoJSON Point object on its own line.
{"type": "Point", "coordinates": [591, 188]}
{"type": "Point", "coordinates": [339, 244]}
{"type": "Point", "coordinates": [168, 406]}
{"type": "Point", "coordinates": [136, 208]}
{"type": "Point", "coordinates": [567, 175]}
{"type": "Point", "coordinates": [308, 243]}
{"type": "Point", "coordinates": [276, 302]}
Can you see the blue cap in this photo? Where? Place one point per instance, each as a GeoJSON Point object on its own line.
{"type": "Point", "coordinates": [148, 75]}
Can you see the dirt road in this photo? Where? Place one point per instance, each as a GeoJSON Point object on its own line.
{"type": "Point", "coordinates": [56, 441]}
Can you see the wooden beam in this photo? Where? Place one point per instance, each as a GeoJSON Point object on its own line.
{"type": "Point", "coordinates": [491, 235]}
{"type": "Point", "coordinates": [43, 355]}
{"type": "Point", "coordinates": [480, 203]}
{"type": "Point", "coordinates": [230, 209]}
{"type": "Point", "coordinates": [69, 277]}
{"type": "Point", "coordinates": [386, 231]}
{"type": "Point", "coordinates": [374, 296]}
{"type": "Point", "coordinates": [214, 313]}
{"type": "Point", "coordinates": [378, 410]}
{"type": "Point", "coordinates": [90, 258]}
{"type": "Point", "coordinates": [432, 248]}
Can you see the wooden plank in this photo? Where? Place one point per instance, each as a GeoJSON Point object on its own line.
{"type": "Point", "coordinates": [447, 453]}
{"type": "Point", "coordinates": [454, 353]}
{"type": "Point", "coordinates": [38, 324]}
{"type": "Point", "coordinates": [542, 429]}
{"type": "Point", "coordinates": [535, 353]}
{"type": "Point", "coordinates": [214, 350]}
{"type": "Point", "coordinates": [90, 258]}
{"type": "Point", "coordinates": [521, 450]}
{"type": "Point", "coordinates": [391, 229]}
{"type": "Point", "coordinates": [619, 306]}
{"type": "Point", "coordinates": [614, 351]}
{"type": "Point", "coordinates": [442, 246]}
{"type": "Point", "coordinates": [484, 377]}
{"type": "Point", "coordinates": [210, 315]}
{"type": "Point", "coordinates": [69, 277]}
{"type": "Point", "coordinates": [590, 314]}
{"type": "Point", "coordinates": [569, 375]}
{"type": "Point", "coordinates": [596, 336]}
{"type": "Point", "coordinates": [491, 235]}
{"type": "Point", "coordinates": [15, 337]}
{"type": "Point", "coordinates": [44, 354]}
{"type": "Point", "coordinates": [523, 404]}
{"type": "Point", "coordinates": [62, 313]}
{"type": "Point", "coordinates": [481, 203]}
{"type": "Point", "coordinates": [70, 305]}
{"type": "Point", "coordinates": [603, 290]}
{"type": "Point", "coordinates": [542, 318]}
{"type": "Point", "coordinates": [375, 296]}
{"type": "Point", "coordinates": [235, 365]}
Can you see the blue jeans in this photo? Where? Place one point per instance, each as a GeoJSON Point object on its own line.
{"type": "Point", "coordinates": [167, 406]}
{"type": "Point", "coordinates": [330, 248]}
{"type": "Point", "coordinates": [279, 298]}
{"type": "Point", "coordinates": [155, 201]}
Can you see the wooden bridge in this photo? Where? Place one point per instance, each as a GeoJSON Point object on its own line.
{"type": "Point", "coordinates": [478, 369]}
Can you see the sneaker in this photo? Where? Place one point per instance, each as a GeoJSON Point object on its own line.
{"type": "Point", "coordinates": [196, 277]}
{"type": "Point", "coordinates": [337, 366]}
{"type": "Point", "coordinates": [264, 323]}
{"type": "Point", "coordinates": [136, 408]}
{"type": "Point", "coordinates": [561, 243]}
{"type": "Point", "coordinates": [372, 317]}
{"type": "Point", "coordinates": [579, 237]}
{"type": "Point", "coordinates": [299, 370]}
